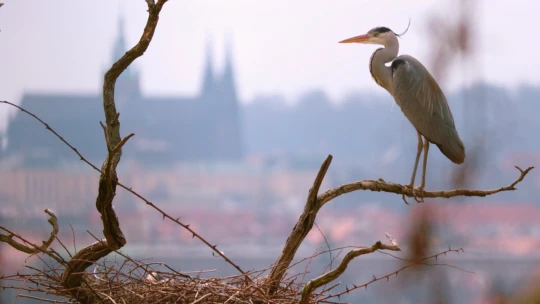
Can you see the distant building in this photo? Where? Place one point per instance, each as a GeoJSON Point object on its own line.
{"type": "Point", "coordinates": [203, 128]}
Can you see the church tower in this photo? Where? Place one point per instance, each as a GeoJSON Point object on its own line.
{"type": "Point", "coordinates": [208, 84]}
{"type": "Point", "coordinates": [227, 81]}
{"type": "Point", "coordinates": [221, 110]}
{"type": "Point", "coordinates": [229, 130]}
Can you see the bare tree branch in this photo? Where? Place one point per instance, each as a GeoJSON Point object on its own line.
{"type": "Point", "coordinates": [34, 249]}
{"type": "Point", "coordinates": [72, 277]}
{"type": "Point", "coordinates": [108, 179]}
{"type": "Point", "coordinates": [340, 269]}
{"type": "Point", "coordinates": [387, 276]}
{"type": "Point", "coordinates": [382, 186]}
{"type": "Point", "coordinates": [300, 230]}
{"type": "Point", "coordinates": [109, 107]}
{"type": "Point", "coordinates": [307, 218]}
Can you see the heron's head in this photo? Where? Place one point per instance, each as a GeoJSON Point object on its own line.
{"type": "Point", "coordinates": [379, 35]}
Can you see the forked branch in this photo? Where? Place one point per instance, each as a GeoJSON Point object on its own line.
{"type": "Point", "coordinates": [72, 277]}
{"type": "Point", "coordinates": [300, 230]}
{"type": "Point", "coordinates": [312, 207]}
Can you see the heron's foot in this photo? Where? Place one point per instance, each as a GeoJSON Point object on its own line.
{"type": "Point", "coordinates": [404, 199]}
{"type": "Point", "coordinates": [419, 190]}
{"type": "Point", "coordinates": [411, 186]}
{"type": "Point", "coordinates": [414, 192]}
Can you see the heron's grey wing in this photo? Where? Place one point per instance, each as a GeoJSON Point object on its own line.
{"type": "Point", "coordinates": [424, 104]}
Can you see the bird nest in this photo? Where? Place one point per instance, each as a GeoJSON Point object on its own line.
{"type": "Point", "coordinates": [134, 282]}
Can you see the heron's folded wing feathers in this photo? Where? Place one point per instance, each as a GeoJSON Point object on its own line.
{"type": "Point", "coordinates": [424, 104]}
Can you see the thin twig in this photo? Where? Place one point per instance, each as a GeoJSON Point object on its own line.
{"type": "Point", "coordinates": [387, 276]}
{"type": "Point", "coordinates": [327, 245]}
{"type": "Point", "coordinates": [22, 295]}
{"type": "Point", "coordinates": [130, 190]}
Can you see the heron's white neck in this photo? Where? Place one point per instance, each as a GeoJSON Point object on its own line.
{"type": "Point", "coordinates": [379, 71]}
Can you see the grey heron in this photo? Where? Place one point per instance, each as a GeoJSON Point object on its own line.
{"type": "Point", "coordinates": [417, 94]}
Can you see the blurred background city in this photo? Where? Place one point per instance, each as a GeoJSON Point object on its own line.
{"type": "Point", "coordinates": [234, 107]}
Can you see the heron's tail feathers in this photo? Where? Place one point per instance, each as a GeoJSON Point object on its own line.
{"type": "Point", "coordinates": [454, 149]}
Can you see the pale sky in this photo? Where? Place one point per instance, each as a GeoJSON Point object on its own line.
{"type": "Point", "coordinates": [284, 47]}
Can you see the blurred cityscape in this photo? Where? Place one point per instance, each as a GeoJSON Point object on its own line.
{"type": "Point", "coordinates": [239, 173]}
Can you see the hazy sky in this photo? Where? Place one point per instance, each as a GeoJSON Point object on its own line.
{"type": "Point", "coordinates": [279, 46]}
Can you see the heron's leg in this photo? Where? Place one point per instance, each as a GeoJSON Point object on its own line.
{"type": "Point", "coordinates": [426, 150]}
{"type": "Point", "coordinates": [418, 152]}
{"type": "Point", "coordinates": [417, 160]}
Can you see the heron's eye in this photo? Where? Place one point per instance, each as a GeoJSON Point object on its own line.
{"type": "Point", "coordinates": [376, 34]}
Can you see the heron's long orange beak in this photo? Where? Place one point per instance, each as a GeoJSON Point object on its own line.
{"type": "Point", "coordinates": [357, 39]}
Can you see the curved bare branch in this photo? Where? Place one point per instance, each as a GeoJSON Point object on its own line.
{"type": "Point", "coordinates": [387, 276]}
{"type": "Point", "coordinates": [34, 249]}
{"type": "Point", "coordinates": [108, 179]}
{"type": "Point", "coordinates": [72, 278]}
{"type": "Point", "coordinates": [336, 272]}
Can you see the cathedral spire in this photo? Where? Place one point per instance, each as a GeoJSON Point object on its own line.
{"type": "Point", "coordinates": [227, 78]}
{"type": "Point", "coordinates": [228, 72]}
{"type": "Point", "coordinates": [208, 77]}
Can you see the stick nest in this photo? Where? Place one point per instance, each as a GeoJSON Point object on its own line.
{"type": "Point", "coordinates": [138, 283]}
